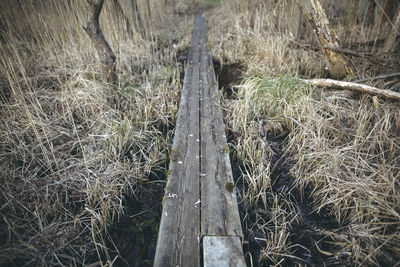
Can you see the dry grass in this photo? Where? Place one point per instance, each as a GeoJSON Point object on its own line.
{"type": "Point", "coordinates": [353, 166]}
{"type": "Point", "coordinates": [73, 147]}
{"type": "Point", "coordinates": [319, 169]}
{"type": "Point", "coordinates": [343, 155]}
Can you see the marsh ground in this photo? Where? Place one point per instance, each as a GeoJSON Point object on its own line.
{"type": "Point", "coordinates": [83, 163]}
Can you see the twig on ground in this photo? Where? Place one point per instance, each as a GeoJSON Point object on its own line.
{"type": "Point", "coordinates": [367, 56]}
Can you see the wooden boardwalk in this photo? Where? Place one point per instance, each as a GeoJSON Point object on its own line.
{"type": "Point", "coordinates": [200, 223]}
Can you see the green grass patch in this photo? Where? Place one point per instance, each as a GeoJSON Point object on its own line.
{"type": "Point", "coordinates": [272, 95]}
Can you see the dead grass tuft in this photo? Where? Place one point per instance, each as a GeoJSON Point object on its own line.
{"type": "Point", "coordinates": [319, 169]}
{"type": "Point", "coordinates": [74, 148]}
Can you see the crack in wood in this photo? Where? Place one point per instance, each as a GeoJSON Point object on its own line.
{"type": "Point", "coordinates": [200, 169]}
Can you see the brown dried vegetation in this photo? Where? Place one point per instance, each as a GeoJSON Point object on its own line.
{"type": "Point", "coordinates": [317, 170]}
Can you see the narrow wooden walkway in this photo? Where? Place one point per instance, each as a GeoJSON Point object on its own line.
{"type": "Point", "coordinates": [200, 223]}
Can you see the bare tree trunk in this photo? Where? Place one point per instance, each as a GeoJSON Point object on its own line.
{"type": "Point", "coordinates": [95, 34]}
{"type": "Point", "coordinates": [316, 16]}
{"type": "Point", "coordinates": [392, 41]}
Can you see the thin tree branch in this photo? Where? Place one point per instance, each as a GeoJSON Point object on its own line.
{"type": "Point", "coordinates": [361, 88]}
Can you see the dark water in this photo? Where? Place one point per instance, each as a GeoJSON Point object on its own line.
{"type": "Point", "coordinates": [228, 75]}
{"type": "Point", "coordinates": [304, 229]}
{"type": "Point", "coordinates": [135, 236]}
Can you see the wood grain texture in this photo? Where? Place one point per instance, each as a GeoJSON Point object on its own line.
{"type": "Point", "coordinates": [219, 210]}
{"type": "Point", "coordinates": [315, 14]}
{"type": "Point", "coordinates": [179, 235]}
{"type": "Point", "coordinates": [223, 251]}
{"type": "Point", "coordinates": [361, 88]}
{"type": "Point", "coordinates": [93, 30]}
{"type": "Point", "coordinates": [200, 168]}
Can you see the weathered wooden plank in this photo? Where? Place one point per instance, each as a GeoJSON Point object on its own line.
{"type": "Point", "coordinates": [223, 251]}
{"type": "Point", "coordinates": [219, 211]}
{"type": "Point", "coordinates": [179, 234]}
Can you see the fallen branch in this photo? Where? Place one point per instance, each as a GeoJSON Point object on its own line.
{"type": "Point", "coordinates": [362, 88]}
{"type": "Point", "coordinates": [316, 16]}
{"type": "Point", "coordinates": [368, 56]}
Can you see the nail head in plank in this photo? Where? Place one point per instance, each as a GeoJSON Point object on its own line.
{"type": "Point", "coordinates": [178, 241]}
{"type": "Point", "coordinates": [219, 213]}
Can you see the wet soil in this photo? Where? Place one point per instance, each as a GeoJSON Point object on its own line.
{"type": "Point", "coordinates": [181, 61]}
{"type": "Point", "coordinates": [228, 76]}
{"type": "Point", "coordinates": [135, 235]}
{"type": "Point", "coordinates": [306, 227]}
